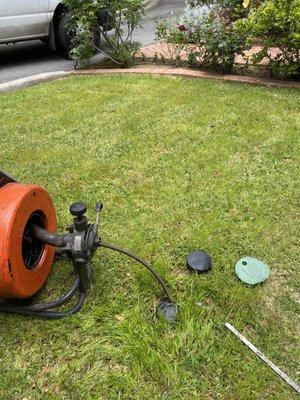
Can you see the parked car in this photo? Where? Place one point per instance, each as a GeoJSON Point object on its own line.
{"type": "Point", "coordinates": [38, 19]}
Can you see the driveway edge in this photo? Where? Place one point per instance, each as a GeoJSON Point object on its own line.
{"type": "Point", "coordinates": [32, 80]}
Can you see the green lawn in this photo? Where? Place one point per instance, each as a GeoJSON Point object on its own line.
{"type": "Point", "coordinates": [179, 164]}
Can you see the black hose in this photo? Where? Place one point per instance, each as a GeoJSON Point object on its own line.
{"type": "Point", "coordinates": [53, 304]}
{"type": "Point", "coordinates": [141, 261]}
{"type": "Point", "coordinates": [53, 239]}
{"type": "Point", "coordinates": [44, 314]}
{"type": "Point", "coordinates": [41, 310]}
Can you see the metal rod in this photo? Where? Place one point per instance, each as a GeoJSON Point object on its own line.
{"type": "Point", "coordinates": [261, 355]}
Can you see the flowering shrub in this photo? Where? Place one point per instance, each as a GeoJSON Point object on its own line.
{"type": "Point", "coordinates": [206, 33]}
{"type": "Point", "coordinates": [183, 29]}
{"type": "Point", "coordinates": [213, 33]}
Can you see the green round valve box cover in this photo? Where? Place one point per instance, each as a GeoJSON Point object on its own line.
{"type": "Point", "coordinates": [252, 271]}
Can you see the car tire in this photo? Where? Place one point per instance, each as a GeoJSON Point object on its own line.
{"type": "Point", "coordinates": [64, 35]}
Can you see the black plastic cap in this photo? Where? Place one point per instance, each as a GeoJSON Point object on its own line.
{"type": "Point", "coordinates": [199, 261]}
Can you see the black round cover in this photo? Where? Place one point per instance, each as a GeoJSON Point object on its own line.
{"type": "Point", "coordinates": [199, 261]}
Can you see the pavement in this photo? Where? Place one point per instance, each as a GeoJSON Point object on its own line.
{"type": "Point", "coordinates": [25, 59]}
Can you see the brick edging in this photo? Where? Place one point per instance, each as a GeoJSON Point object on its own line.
{"type": "Point", "coordinates": [181, 72]}
{"type": "Point", "coordinates": [190, 73]}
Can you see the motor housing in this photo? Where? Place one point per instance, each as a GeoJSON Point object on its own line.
{"type": "Point", "coordinates": [24, 262]}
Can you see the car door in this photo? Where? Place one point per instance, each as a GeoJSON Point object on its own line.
{"type": "Point", "coordinates": [22, 19]}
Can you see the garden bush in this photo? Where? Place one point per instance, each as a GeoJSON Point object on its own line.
{"type": "Point", "coordinates": [275, 23]}
{"type": "Point", "coordinates": [124, 17]}
{"type": "Point", "coordinates": [213, 33]}
{"type": "Point", "coordinates": [207, 33]}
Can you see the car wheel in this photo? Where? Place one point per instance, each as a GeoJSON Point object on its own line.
{"type": "Point", "coordinates": [64, 35]}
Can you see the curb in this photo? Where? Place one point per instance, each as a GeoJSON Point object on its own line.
{"type": "Point", "coordinates": [190, 73]}
{"type": "Point", "coordinates": [32, 80]}
{"type": "Point", "coordinates": [180, 72]}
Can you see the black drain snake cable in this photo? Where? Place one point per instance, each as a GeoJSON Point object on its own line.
{"type": "Point", "coordinates": [141, 261]}
{"type": "Point", "coordinates": [41, 310]}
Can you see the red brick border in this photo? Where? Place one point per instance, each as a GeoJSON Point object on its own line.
{"type": "Point", "coordinates": [190, 73]}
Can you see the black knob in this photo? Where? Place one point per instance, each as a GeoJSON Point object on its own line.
{"type": "Point", "coordinates": [78, 209]}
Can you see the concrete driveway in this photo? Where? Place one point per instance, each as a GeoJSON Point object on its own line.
{"type": "Point", "coordinates": [30, 58]}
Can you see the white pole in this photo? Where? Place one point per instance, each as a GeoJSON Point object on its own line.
{"type": "Point", "coordinates": [264, 358]}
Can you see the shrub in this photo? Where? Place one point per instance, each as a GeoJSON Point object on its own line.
{"type": "Point", "coordinates": [275, 23]}
{"type": "Point", "coordinates": [221, 41]}
{"type": "Point", "coordinates": [213, 32]}
{"type": "Point", "coordinates": [206, 33]}
{"type": "Point", "coordinates": [124, 17]}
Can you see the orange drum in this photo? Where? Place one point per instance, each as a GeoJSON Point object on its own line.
{"type": "Point", "coordinates": [24, 261]}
